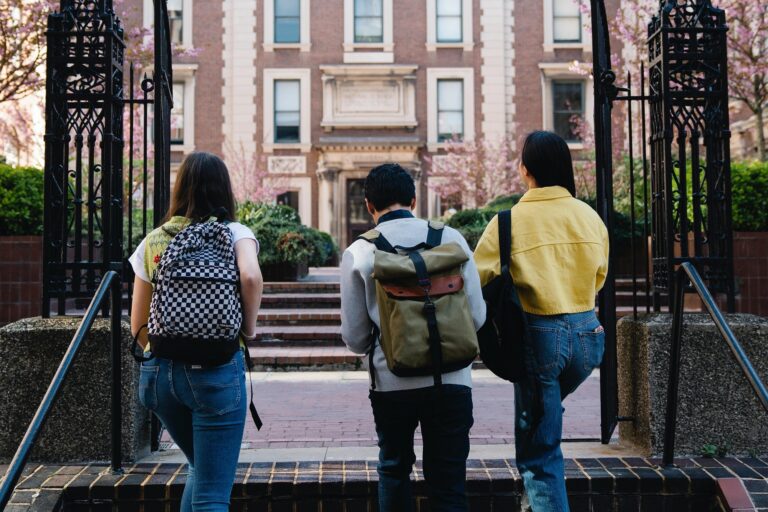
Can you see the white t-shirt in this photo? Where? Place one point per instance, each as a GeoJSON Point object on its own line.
{"type": "Point", "coordinates": [239, 232]}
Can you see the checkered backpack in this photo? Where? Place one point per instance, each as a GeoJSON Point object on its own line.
{"type": "Point", "coordinates": [195, 313]}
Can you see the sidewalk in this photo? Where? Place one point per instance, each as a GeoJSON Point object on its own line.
{"type": "Point", "coordinates": [303, 410]}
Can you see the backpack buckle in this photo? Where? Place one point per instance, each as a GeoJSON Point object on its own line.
{"type": "Point", "coordinates": [429, 307]}
{"type": "Point", "coordinates": [425, 283]}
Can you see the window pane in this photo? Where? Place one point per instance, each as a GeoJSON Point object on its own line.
{"type": "Point", "coordinates": [369, 8]}
{"type": "Point", "coordinates": [564, 127]}
{"type": "Point", "coordinates": [287, 30]}
{"type": "Point", "coordinates": [177, 114]}
{"type": "Point", "coordinates": [450, 95]}
{"type": "Point", "coordinates": [290, 198]}
{"type": "Point", "coordinates": [449, 7]}
{"type": "Point", "coordinates": [287, 95]}
{"type": "Point", "coordinates": [450, 124]}
{"type": "Point", "coordinates": [567, 29]}
{"type": "Point", "coordinates": [287, 7]}
{"type": "Point", "coordinates": [566, 8]}
{"type": "Point", "coordinates": [287, 127]}
{"type": "Point", "coordinates": [448, 29]}
{"type": "Point", "coordinates": [174, 5]}
{"type": "Point", "coordinates": [568, 97]}
{"type": "Point", "coordinates": [369, 30]}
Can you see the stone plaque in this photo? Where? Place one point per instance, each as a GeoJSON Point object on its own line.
{"type": "Point", "coordinates": [287, 165]}
{"type": "Point", "coordinates": [375, 97]}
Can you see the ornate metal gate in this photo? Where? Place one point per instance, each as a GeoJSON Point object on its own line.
{"type": "Point", "coordinates": [686, 202]}
{"type": "Point", "coordinates": [86, 191]}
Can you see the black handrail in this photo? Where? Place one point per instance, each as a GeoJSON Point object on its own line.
{"type": "Point", "coordinates": [688, 273]}
{"type": "Point", "coordinates": [111, 280]}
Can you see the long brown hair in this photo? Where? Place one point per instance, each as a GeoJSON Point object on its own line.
{"type": "Point", "coordinates": [202, 186]}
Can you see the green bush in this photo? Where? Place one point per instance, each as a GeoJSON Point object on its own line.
{"type": "Point", "coordinates": [21, 200]}
{"type": "Point", "coordinates": [749, 187]}
{"type": "Point", "coordinates": [283, 238]}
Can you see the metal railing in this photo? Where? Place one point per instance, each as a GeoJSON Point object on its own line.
{"type": "Point", "coordinates": [110, 285]}
{"type": "Point", "coordinates": [684, 274]}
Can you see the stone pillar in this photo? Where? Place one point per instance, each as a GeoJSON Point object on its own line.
{"type": "Point", "coordinates": [325, 212]}
{"type": "Point", "coordinates": [716, 403]}
{"type": "Point", "coordinates": [78, 428]}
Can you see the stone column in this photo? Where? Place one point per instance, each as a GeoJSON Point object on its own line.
{"type": "Point", "coordinates": [326, 219]}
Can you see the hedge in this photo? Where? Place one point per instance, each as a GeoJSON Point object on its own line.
{"type": "Point", "coordinates": [749, 186]}
{"type": "Point", "coordinates": [21, 201]}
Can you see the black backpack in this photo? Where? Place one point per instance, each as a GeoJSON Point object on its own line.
{"type": "Point", "coordinates": [504, 335]}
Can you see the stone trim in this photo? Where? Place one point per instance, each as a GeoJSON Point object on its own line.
{"type": "Point", "coordinates": [467, 29]}
{"type": "Point", "coordinates": [304, 43]}
{"type": "Point", "coordinates": [387, 43]}
{"type": "Point", "coordinates": [549, 37]}
{"type": "Point", "coordinates": [303, 75]}
{"type": "Point", "coordinates": [435, 74]}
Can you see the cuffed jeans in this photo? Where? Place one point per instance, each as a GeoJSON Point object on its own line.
{"type": "Point", "coordinates": [565, 349]}
{"type": "Point", "coordinates": [445, 417]}
{"type": "Point", "coordinates": [203, 410]}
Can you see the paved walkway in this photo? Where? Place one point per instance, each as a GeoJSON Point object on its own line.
{"type": "Point", "coordinates": [331, 410]}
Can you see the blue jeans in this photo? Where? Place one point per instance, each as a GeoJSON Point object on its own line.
{"type": "Point", "coordinates": [445, 418]}
{"type": "Point", "coordinates": [564, 351]}
{"type": "Point", "coordinates": [204, 411]}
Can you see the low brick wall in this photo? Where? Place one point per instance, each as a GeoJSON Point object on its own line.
{"type": "Point", "coordinates": [750, 251]}
{"type": "Point", "coordinates": [21, 276]}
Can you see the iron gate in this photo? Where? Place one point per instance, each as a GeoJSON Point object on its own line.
{"type": "Point", "coordinates": [685, 201]}
{"type": "Point", "coordinates": [87, 192]}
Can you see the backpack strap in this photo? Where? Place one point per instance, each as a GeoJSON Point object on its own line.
{"type": "Point", "coordinates": [251, 407]}
{"type": "Point", "coordinates": [430, 312]}
{"type": "Point", "coordinates": [435, 234]}
{"type": "Point", "coordinates": [505, 241]}
{"type": "Point", "coordinates": [376, 238]}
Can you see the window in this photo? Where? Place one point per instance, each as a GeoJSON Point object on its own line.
{"type": "Point", "coordinates": [450, 110]}
{"type": "Point", "coordinates": [369, 21]}
{"type": "Point", "coordinates": [176, 21]}
{"type": "Point", "coordinates": [287, 111]}
{"type": "Point", "coordinates": [566, 21]}
{"type": "Point", "coordinates": [290, 198]}
{"type": "Point", "coordinates": [449, 21]}
{"type": "Point", "coordinates": [568, 102]}
{"type": "Point", "coordinates": [177, 114]}
{"type": "Point", "coordinates": [287, 21]}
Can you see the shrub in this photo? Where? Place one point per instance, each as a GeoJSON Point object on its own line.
{"type": "Point", "coordinates": [282, 237]}
{"type": "Point", "coordinates": [21, 200]}
{"type": "Point", "coordinates": [749, 188]}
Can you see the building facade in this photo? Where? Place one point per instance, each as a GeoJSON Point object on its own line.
{"type": "Point", "coordinates": [316, 92]}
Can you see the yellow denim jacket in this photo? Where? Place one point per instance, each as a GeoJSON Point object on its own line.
{"type": "Point", "coordinates": [559, 252]}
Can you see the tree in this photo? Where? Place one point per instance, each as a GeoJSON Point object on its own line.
{"type": "Point", "coordinates": [251, 180]}
{"type": "Point", "coordinates": [479, 170]}
{"type": "Point", "coordinates": [22, 46]}
{"type": "Point", "coordinates": [747, 54]}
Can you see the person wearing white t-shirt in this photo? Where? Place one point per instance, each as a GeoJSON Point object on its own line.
{"type": "Point", "coordinates": [203, 408]}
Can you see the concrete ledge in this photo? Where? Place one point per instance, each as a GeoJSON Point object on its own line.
{"type": "Point", "coordinates": [78, 428]}
{"type": "Point", "coordinates": [717, 407]}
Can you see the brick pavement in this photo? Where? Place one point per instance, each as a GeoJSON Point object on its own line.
{"type": "Point", "coordinates": [331, 409]}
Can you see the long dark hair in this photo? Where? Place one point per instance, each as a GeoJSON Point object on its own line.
{"type": "Point", "coordinates": [202, 186]}
{"type": "Point", "coordinates": [547, 157]}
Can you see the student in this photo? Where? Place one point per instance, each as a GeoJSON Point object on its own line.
{"type": "Point", "coordinates": [202, 407]}
{"type": "Point", "coordinates": [559, 261]}
{"type": "Point", "coordinates": [400, 404]}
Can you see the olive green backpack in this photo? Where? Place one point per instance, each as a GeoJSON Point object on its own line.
{"type": "Point", "coordinates": [426, 321]}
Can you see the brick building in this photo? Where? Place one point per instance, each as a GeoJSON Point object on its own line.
{"type": "Point", "coordinates": [321, 90]}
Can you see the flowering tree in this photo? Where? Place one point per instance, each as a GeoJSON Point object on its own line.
{"type": "Point", "coordinates": [22, 46]}
{"type": "Point", "coordinates": [251, 180]}
{"type": "Point", "coordinates": [479, 170]}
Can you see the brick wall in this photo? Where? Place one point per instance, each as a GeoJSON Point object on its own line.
{"type": "Point", "coordinates": [21, 267]}
{"type": "Point", "coordinates": [750, 251]}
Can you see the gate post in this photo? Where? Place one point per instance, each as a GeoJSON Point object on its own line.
{"type": "Point", "coordinates": [690, 146]}
{"type": "Point", "coordinates": [82, 225]}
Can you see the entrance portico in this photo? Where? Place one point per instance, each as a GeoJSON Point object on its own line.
{"type": "Point", "coordinates": [343, 165]}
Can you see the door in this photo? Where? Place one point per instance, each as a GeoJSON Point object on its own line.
{"type": "Point", "coordinates": [358, 219]}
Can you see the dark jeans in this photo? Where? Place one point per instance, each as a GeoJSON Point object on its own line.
{"type": "Point", "coordinates": [445, 418]}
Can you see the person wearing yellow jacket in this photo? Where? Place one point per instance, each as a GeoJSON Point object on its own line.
{"type": "Point", "coordinates": [559, 261]}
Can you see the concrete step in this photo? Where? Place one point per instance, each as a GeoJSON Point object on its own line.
{"type": "Point", "coordinates": [301, 287]}
{"type": "Point", "coordinates": [297, 335]}
{"type": "Point", "coordinates": [284, 300]}
{"type": "Point", "coordinates": [304, 359]}
{"type": "Point", "coordinates": [307, 316]}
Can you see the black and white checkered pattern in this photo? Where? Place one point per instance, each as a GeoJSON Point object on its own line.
{"type": "Point", "coordinates": [197, 295]}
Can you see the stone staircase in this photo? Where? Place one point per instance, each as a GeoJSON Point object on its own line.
{"type": "Point", "coordinates": [300, 323]}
